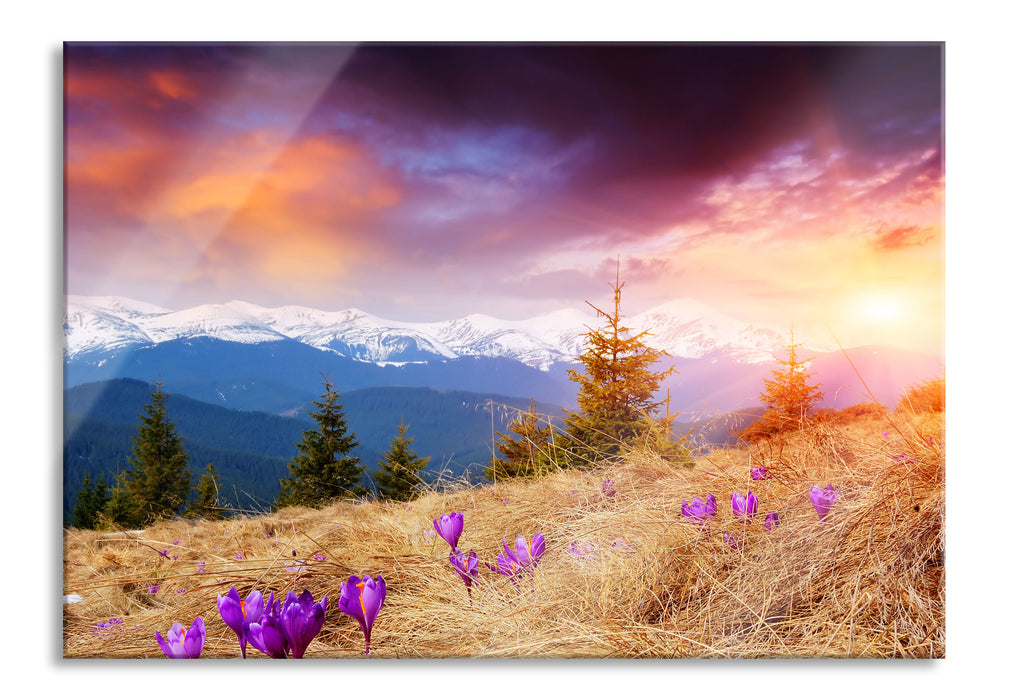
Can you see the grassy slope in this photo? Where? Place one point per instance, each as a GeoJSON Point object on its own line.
{"type": "Point", "coordinates": [868, 581]}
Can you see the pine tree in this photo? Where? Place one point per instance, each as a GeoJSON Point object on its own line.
{"type": "Point", "coordinates": [788, 398]}
{"type": "Point", "coordinates": [160, 480]}
{"type": "Point", "coordinates": [615, 395]}
{"type": "Point", "coordinates": [529, 454]}
{"type": "Point", "coordinates": [121, 509]}
{"type": "Point", "coordinates": [91, 501]}
{"type": "Point", "coordinates": [323, 468]}
{"type": "Point", "coordinates": [399, 474]}
{"type": "Point", "coordinates": [207, 503]}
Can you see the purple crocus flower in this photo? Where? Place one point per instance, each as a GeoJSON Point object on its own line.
{"type": "Point", "coordinates": [268, 635]}
{"type": "Point", "coordinates": [238, 614]}
{"type": "Point", "coordinates": [525, 557]}
{"type": "Point", "coordinates": [582, 550]}
{"type": "Point", "coordinates": [152, 588]}
{"type": "Point", "coordinates": [466, 567]}
{"type": "Point", "coordinates": [178, 643]}
{"type": "Point", "coordinates": [744, 507]}
{"type": "Point", "coordinates": [362, 598]}
{"type": "Point", "coordinates": [822, 499]}
{"type": "Point", "coordinates": [450, 528]}
{"type": "Point", "coordinates": [759, 473]}
{"type": "Point", "coordinates": [699, 511]}
{"type": "Point", "coordinates": [301, 619]}
{"type": "Point", "coordinates": [730, 540]}
{"type": "Point", "coordinates": [609, 490]}
{"type": "Point", "coordinates": [528, 556]}
{"type": "Point", "coordinates": [771, 521]}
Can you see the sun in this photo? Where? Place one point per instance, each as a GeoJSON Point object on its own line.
{"type": "Point", "coordinates": [880, 309]}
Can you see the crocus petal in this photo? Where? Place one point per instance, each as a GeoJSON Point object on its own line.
{"type": "Point", "coordinates": [537, 548]}
{"type": "Point", "coordinates": [349, 602]}
{"type": "Point", "coordinates": [165, 646]}
{"type": "Point", "coordinates": [193, 645]}
{"type": "Point", "coordinates": [230, 607]}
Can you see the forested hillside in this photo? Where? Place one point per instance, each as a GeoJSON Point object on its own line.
{"type": "Point", "coordinates": [250, 449]}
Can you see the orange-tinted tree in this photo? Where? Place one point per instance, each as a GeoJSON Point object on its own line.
{"type": "Point", "coordinates": [616, 388]}
{"type": "Point", "coordinates": [789, 398]}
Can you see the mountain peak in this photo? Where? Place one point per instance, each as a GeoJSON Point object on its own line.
{"type": "Point", "coordinates": [683, 327]}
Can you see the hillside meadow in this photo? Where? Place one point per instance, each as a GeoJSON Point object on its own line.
{"type": "Point", "coordinates": [623, 575]}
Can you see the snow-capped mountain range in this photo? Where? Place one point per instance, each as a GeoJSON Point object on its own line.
{"type": "Point", "coordinates": [683, 328]}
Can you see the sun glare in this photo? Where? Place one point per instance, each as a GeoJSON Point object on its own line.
{"type": "Point", "coordinates": [880, 309]}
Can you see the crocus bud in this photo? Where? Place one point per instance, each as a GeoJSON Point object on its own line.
{"type": "Point", "coordinates": [822, 499]}
{"type": "Point", "coordinates": [449, 527]}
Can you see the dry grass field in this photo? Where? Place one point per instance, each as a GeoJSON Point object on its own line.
{"type": "Point", "coordinates": [866, 582]}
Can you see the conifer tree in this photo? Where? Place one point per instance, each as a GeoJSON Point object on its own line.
{"type": "Point", "coordinates": [160, 480]}
{"type": "Point", "coordinates": [91, 501]}
{"type": "Point", "coordinates": [788, 398]}
{"type": "Point", "coordinates": [399, 474]}
{"type": "Point", "coordinates": [207, 503]}
{"type": "Point", "coordinates": [121, 509]}
{"type": "Point", "coordinates": [323, 468]}
{"type": "Point", "coordinates": [616, 389]}
{"type": "Point", "coordinates": [529, 453]}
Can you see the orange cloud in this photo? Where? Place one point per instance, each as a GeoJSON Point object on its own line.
{"type": "Point", "coordinates": [173, 84]}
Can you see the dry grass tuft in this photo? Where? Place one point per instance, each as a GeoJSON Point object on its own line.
{"type": "Point", "coordinates": [868, 581]}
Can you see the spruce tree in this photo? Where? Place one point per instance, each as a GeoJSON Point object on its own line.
{"type": "Point", "coordinates": [91, 501]}
{"type": "Point", "coordinates": [207, 502]}
{"type": "Point", "coordinates": [323, 469]}
{"type": "Point", "coordinates": [529, 453]}
{"type": "Point", "coordinates": [788, 398]}
{"type": "Point", "coordinates": [160, 480]}
{"type": "Point", "coordinates": [399, 474]}
{"type": "Point", "coordinates": [121, 509]}
{"type": "Point", "coordinates": [615, 391]}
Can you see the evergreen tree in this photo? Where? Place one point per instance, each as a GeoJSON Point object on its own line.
{"type": "Point", "coordinates": [91, 501]}
{"type": "Point", "coordinates": [207, 503]}
{"type": "Point", "coordinates": [615, 395]}
{"type": "Point", "coordinates": [323, 468]}
{"type": "Point", "coordinates": [788, 398]}
{"type": "Point", "coordinates": [529, 453]}
{"type": "Point", "coordinates": [121, 509]}
{"type": "Point", "coordinates": [160, 480]}
{"type": "Point", "coordinates": [399, 474]}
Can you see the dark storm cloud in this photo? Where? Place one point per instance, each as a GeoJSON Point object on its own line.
{"type": "Point", "coordinates": [655, 111]}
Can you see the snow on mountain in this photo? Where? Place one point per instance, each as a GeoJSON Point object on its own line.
{"type": "Point", "coordinates": [684, 328]}
{"type": "Point", "coordinates": [688, 328]}
{"type": "Point", "coordinates": [219, 321]}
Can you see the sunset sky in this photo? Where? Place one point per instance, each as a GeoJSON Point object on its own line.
{"type": "Point", "coordinates": [781, 184]}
